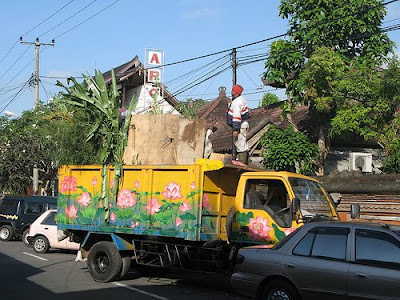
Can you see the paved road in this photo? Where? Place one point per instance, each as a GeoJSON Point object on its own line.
{"type": "Point", "coordinates": [55, 275]}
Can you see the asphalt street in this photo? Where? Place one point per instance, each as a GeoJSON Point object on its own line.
{"type": "Point", "coordinates": [55, 275]}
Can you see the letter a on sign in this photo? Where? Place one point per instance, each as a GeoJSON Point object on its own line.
{"type": "Point", "coordinates": [154, 58]}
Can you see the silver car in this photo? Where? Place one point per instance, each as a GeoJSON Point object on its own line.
{"type": "Point", "coordinates": [329, 260]}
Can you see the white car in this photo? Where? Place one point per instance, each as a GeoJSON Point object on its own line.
{"type": "Point", "coordinates": [43, 234]}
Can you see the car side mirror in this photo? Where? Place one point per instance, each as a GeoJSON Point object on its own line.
{"type": "Point", "coordinates": [355, 211]}
{"type": "Point", "coordinates": [295, 205]}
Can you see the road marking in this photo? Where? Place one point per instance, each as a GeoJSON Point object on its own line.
{"type": "Point", "coordinates": [35, 256]}
{"type": "Point", "coordinates": [139, 291]}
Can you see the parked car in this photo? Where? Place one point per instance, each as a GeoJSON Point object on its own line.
{"type": "Point", "coordinates": [330, 260]}
{"type": "Point", "coordinates": [18, 212]}
{"type": "Point", "coordinates": [43, 234]}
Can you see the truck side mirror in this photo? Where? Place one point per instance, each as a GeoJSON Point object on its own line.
{"type": "Point", "coordinates": [295, 205]}
{"type": "Point", "coordinates": [355, 211]}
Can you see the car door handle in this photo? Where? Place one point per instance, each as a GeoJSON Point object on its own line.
{"type": "Point", "coordinates": [290, 266]}
{"type": "Point", "coordinates": [245, 228]}
{"type": "Point", "coordinates": [361, 275]}
{"type": "Point", "coordinates": [46, 228]}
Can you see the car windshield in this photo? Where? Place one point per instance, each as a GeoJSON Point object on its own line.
{"type": "Point", "coordinates": [313, 200]}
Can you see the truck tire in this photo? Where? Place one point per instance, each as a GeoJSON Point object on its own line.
{"type": "Point", "coordinates": [126, 265]}
{"type": "Point", "coordinates": [6, 233]}
{"type": "Point", "coordinates": [104, 262]}
{"type": "Point", "coordinates": [24, 237]}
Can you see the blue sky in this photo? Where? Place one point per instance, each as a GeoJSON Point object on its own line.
{"type": "Point", "coordinates": [183, 28]}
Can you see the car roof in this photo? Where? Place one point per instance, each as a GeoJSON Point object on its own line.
{"type": "Point", "coordinates": [349, 225]}
{"type": "Point", "coordinates": [31, 198]}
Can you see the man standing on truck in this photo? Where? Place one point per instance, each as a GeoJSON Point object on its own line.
{"type": "Point", "coordinates": [238, 113]}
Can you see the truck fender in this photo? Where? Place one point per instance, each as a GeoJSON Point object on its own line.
{"type": "Point", "coordinates": [120, 243]}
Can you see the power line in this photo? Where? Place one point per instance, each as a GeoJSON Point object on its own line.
{"type": "Point", "coordinates": [15, 96]}
{"type": "Point", "coordinates": [87, 19]}
{"type": "Point", "coordinates": [15, 62]}
{"type": "Point", "coordinates": [70, 17]}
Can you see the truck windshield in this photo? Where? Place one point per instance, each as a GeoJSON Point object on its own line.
{"type": "Point", "coordinates": [313, 200]}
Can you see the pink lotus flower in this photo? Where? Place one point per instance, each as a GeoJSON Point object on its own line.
{"type": "Point", "coordinates": [71, 211]}
{"type": "Point", "coordinates": [178, 221]}
{"type": "Point", "coordinates": [289, 230]}
{"type": "Point", "coordinates": [172, 191]}
{"type": "Point", "coordinates": [259, 228]}
{"type": "Point", "coordinates": [94, 181]}
{"type": "Point", "coordinates": [134, 224]}
{"type": "Point", "coordinates": [112, 217]}
{"type": "Point", "coordinates": [206, 203]}
{"type": "Point", "coordinates": [68, 184]}
{"type": "Point", "coordinates": [101, 204]}
{"type": "Point", "coordinates": [126, 198]}
{"type": "Point", "coordinates": [84, 199]}
{"type": "Point", "coordinates": [185, 206]}
{"type": "Point", "coordinates": [193, 185]}
{"type": "Point", "coordinates": [153, 206]}
{"type": "Point", "coordinates": [136, 184]}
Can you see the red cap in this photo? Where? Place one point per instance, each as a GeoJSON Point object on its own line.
{"type": "Point", "coordinates": [238, 89]}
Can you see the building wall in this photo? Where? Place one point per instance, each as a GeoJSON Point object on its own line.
{"type": "Point", "coordinates": [145, 101]}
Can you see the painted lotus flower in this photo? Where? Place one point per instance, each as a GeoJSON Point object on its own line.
{"type": "Point", "coordinates": [112, 217]}
{"type": "Point", "coordinates": [185, 206]}
{"type": "Point", "coordinates": [178, 221]}
{"type": "Point", "coordinates": [71, 211]}
{"type": "Point", "coordinates": [193, 185]}
{"type": "Point", "coordinates": [68, 184]}
{"type": "Point", "coordinates": [136, 184]}
{"type": "Point", "coordinates": [84, 199]}
{"type": "Point", "coordinates": [289, 230]}
{"type": "Point", "coordinates": [259, 228]}
{"type": "Point", "coordinates": [153, 206]}
{"type": "Point", "coordinates": [134, 224]}
{"type": "Point", "coordinates": [172, 191]}
{"type": "Point", "coordinates": [126, 198]}
{"type": "Point", "coordinates": [206, 202]}
{"type": "Point", "coordinates": [94, 181]}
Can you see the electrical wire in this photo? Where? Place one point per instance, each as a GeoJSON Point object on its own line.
{"type": "Point", "coordinates": [15, 96]}
{"type": "Point", "coordinates": [15, 62]}
{"type": "Point", "coordinates": [84, 21]}
{"type": "Point", "coordinates": [70, 17]}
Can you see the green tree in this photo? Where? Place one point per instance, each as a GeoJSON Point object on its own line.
{"type": "Point", "coordinates": [269, 99]}
{"type": "Point", "coordinates": [189, 107]}
{"type": "Point", "coordinates": [287, 150]}
{"type": "Point", "coordinates": [350, 30]}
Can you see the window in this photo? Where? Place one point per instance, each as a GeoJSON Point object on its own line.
{"type": "Point", "coordinates": [8, 207]}
{"type": "Point", "coordinates": [376, 247]}
{"type": "Point", "coordinates": [271, 196]}
{"type": "Point", "coordinates": [34, 208]}
{"type": "Point", "coordinates": [329, 243]}
{"type": "Point", "coordinates": [50, 220]}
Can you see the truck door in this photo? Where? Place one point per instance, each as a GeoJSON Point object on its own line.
{"type": "Point", "coordinates": [264, 216]}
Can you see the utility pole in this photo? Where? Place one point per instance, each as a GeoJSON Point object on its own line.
{"type": "Point", "coordinates": [37, 46]}
{"type": "Point", "coordinates": [234, 66]}
{"type": "Point", "coordinates": [35, 175]}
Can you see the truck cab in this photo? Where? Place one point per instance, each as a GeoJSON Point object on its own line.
{"type": "Point", "coordinates": [271, 205]}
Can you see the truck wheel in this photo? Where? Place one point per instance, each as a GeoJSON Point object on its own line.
{"type": "Point", "coordinates": [25, 237]}
{"type": "Point", "coordinates": [41, 244]}
{"type": "Point", "coordinates": [126, 265]}
{"type": "Point", "coordinates": [280, 289]}
{"type": "Point", "coordinates": [104, 262]}
{"type": "Point", "coordinates": [6, 233]}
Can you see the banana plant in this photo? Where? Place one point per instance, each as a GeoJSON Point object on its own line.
{"type": "Point", "coordinates": [93, 94]}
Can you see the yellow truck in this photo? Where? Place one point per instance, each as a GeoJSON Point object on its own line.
{"type": "Point", "coordinates": [190, 217]}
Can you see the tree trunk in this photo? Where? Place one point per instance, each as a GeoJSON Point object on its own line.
{"type": "Point", "coordinates": [290, 107]}
{"type": "Point", "coordinates": [323, 146]}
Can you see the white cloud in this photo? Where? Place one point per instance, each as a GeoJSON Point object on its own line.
{"type": "Point", "coordinates": [200, 13]}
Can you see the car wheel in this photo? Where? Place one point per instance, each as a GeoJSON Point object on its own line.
{"type": "Point", "coordinates": [6, 233]}
{"type": "Point", "coordinates": [104, 262]}
{"type": "Point", "coordinates": [25, 237]}
{"type": "Point", "coordinates": [41, 244]}
{"type": "Point", "coordinates": [279, 289]}
{"type": "Point", "coordinates": [126, 265]}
